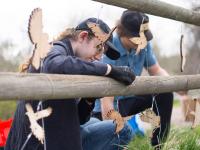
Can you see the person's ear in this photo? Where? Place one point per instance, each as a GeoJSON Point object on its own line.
{"type": "Point", "coordinates": [83, 35]}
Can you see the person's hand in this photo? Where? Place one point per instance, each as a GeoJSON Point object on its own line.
{"type": "Point", "coordinates": [122, 74]}
{"type": "Point", "coordinates": [117, 118]}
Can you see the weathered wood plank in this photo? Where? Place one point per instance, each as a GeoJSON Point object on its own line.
{"type": "Point", "coordinates": [158, 8]}
{"type": "Point", "coordinates": [51, 86]}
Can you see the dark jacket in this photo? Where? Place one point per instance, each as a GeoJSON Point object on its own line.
{"type": "Point", "coordinates": [62, 126]}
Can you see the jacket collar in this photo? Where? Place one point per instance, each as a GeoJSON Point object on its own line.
{"type": "Point", "coordinates": [68, 45]}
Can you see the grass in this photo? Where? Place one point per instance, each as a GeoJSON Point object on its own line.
{"type": "Point", "coordinates": [179, 139]}
{"type": "Point", "coordinates": [7, 109]}
{"type": "Point", "coordinates": [140, 143]}
{"type": "Point", "coordinates": [176, 103]}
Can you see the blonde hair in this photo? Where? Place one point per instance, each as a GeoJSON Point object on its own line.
{"type": "Point", "coordinates": [24, 67]}
{"type": "Point", "coordinates": [71, 33]}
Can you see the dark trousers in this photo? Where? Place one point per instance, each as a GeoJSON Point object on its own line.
{"type": "Point", "coordinates": [162, 106]}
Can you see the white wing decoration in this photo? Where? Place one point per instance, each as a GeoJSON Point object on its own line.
{"type": "Point", "coordinates": [149, 116]}
{"type": "Point", "coordinates": [36, 129]}
{"type": "Point", "coordinates": [38, 38]}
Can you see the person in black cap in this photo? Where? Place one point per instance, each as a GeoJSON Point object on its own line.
{"type": "Point", "coordinates": [133, 43]}
{"type": "Point", "coordinates": [73, 52]}
{"type": "Point", "coordinates": [110, 50]}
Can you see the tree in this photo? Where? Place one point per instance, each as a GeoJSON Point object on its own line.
{"type": "Point", "coordinates": [192, 64]}
{"type": "Point", "coordinates": [5, 64]}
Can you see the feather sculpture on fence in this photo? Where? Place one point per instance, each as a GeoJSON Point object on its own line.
{"type": "Point", "coordinates": [38, 38]}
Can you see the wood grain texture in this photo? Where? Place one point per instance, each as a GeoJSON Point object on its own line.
{"type": "Point", "coordinates": [158, 8]}
{"type": "Point", "coordinates": [50, 86]}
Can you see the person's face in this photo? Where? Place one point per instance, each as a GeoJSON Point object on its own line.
{"type": "Point", "coordinates": [127, 43]}
{"type": "Point", "coordinates": [90, 49]}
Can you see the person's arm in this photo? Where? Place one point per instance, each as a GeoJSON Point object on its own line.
{"type": "Point", "coordinates": [157, 70]}
{"type": "Point", "coordinates": [151, 64]}
{"type": "Point", "coordinates": [109, 113]}
{"type": "Point", "coordinates": [58, 62]}
{"type": "Point", "coordinates": [107, 104]}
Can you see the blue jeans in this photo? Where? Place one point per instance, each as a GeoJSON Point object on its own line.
{"type": "Point", "coordinates": [100, 135]}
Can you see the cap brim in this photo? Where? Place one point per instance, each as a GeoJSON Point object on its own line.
{"type": "Point", "coordinates": [112, 52]}
{"type": "Point", "coordinates": [149, 35]}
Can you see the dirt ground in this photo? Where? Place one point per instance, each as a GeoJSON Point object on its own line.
{"type": "Point", "coordinates": [178, 118]}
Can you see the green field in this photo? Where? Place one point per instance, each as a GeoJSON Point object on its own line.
{"type": "Point", "coordinates": [179, 139]}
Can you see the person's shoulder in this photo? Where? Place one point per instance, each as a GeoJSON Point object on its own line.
{"type": "Point", "coordinates": [149, 46]}
{"type": "Point", "coordinates": [62, 47]}
{"type": "Point", "coordinates": [116, 38]}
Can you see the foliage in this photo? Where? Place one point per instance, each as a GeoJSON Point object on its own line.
{"type": "Point", "coordinates": [5, 64]}
{"type": "Point", "coordinates": [176, 103]}
{"type": "Point", "coordinates": [179, 139]}
{"type": "Point", "coordinates": [7, 109]}
{"type": "Point", "coordinates": [192, 63]}
{"type": "Point", "coordinates": [140, 143]}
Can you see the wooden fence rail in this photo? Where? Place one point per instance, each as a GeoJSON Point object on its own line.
{"type": "Point", "coordinates": [158, 8]}
{"type": "Point", "coordinates": [15, 86]}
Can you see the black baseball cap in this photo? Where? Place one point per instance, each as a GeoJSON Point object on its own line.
{"type": "Point", "coordinates": [131, 22]}
{"type": "Point", "coordinates": [112, 51]}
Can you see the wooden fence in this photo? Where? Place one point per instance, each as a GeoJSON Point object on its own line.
{"type": "Point", "coordinates": [52, 86]}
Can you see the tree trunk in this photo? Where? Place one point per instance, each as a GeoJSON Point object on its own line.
{"type": "Point", "coordinates": [158, 8]}
{"type": "Point", "coordinates": [51, 86]}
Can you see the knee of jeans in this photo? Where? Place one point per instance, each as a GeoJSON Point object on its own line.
{"type": "Point", "coordinates": [126, 134]}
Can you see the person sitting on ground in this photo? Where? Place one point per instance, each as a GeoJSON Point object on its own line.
{"type": "Point", "coordinates": [133, 42]}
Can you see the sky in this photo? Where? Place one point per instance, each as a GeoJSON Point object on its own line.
{"type": "Point", "coordinates": [59, 14]}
